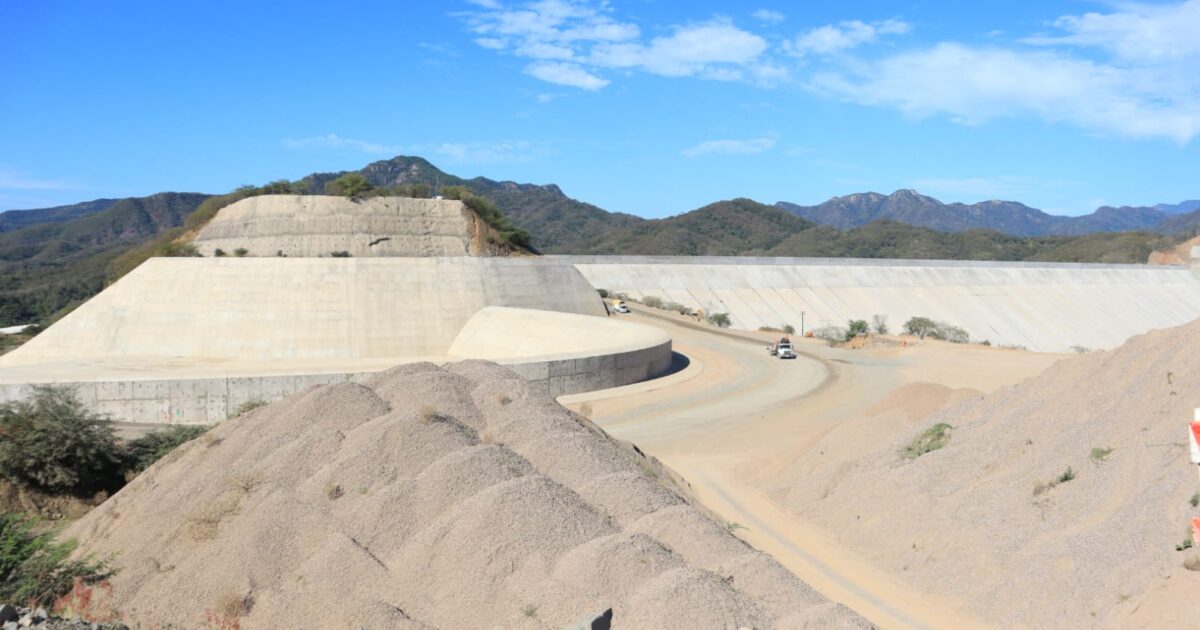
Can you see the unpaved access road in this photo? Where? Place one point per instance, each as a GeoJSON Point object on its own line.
{"type": "Point", "coordinates": [736, 415]}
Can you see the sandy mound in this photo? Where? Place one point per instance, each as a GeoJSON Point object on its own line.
{"type": "Point", "coordinates": [1181, 254]}
{"type": "Point", "coordinates": [456, 498]}
{"type": "Point", "coordinates": [978, 519]}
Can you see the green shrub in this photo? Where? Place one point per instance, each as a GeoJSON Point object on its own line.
{"type": "Point", "coordinates": [36, 570]}
{"type": "Point", "coordinates": [603, 293]}
{"type": "Point", "coordinates": [149, 448]}
{"type": "Point", "coordinates": [720, 320]}
{"type": "Point", "coordinates": [1100, 454]}
{"type": "Point", "coordinates": [218, 252]}
{"type": "Point", "coordinates": [1067, 475]}
{"type": "Point", "coordinates": [486, 210]}
{"type": "Point", "coordinates": [53, 443]}
{"type": "Point", "coordinates": [920, 326]}
{"type": "Point", "coordinates": [1195, 500]}
{"type": "Point", "coordinates": [677, 307]}
{"type": "Point", "coordinates": [241, 252]}
{"type": "Point", "coordinates": [931, 439]}
{"type": "Point", "coordinates": [340, 254]}
{"type": "Point", "coordinates": [857, 328]}
{"type": "Point", "coordinates": [653, 301]}
{"type": "Point", "coordinates": [351, 185]}
{"type": "Point", "coordinates": [789, 329]}
{"type": "Point", "coordinates": [953, 334]}
{"type": "Point", "coordinates": [250, 405]}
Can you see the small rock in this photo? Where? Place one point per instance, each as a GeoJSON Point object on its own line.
{"type": "Point", "coordinates": [26, 620]}
{"type": "Point", "coordinates": [12, 625]}
{"type": "Point", "coordinates": [40, 614]}
{"type": "Point", "coordinates": [8, 613]}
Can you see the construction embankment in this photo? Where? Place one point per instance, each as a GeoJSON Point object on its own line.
{"type": "Point", "coordinates": [189, 340]}
{"type": "Point", "coordinates": [1048, 307]}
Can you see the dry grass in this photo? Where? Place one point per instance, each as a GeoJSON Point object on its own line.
{"type": "Point", "coordinates": [429, 414]}
{"type": "Point", "coordinates": [245, 483]}
{"type": "Point", "coordinates": [204, 523]}
{"type": "Point", "coordinates": [487, 436]}
{"type": "Point", "coordinates": [504, 400]}
{"type": "Point", "coordinates": [333, 491]}
{"type": "Point", "coordinates": [585, 410]}
{"type": "Point", "coordinates": [209, 440]}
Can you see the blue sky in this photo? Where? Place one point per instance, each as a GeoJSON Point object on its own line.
{"type": "Point", "coordinates": [647, 107]}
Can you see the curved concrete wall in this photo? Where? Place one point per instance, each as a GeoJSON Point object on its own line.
{"type": "Point", "coordinates": [302, 308]}
{"type": "Point", "coordinates": [1042, 306]}
{"type": "Point", "coordinates": [569, 353]}
{"type": "Point", "coordinates": [316, 226]}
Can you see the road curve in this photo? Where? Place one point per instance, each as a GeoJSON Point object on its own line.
{"type": "Point", "coordinates": [734, 411]}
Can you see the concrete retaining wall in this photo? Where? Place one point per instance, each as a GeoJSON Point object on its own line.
{"type": "Point", "coordinates": [317, 225]}
{"type": "Point", "coordinates": [210, 400]}
{"type": "Point", "coordinates": [1041, 306]}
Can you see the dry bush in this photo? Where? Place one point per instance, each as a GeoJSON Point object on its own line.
{"type": "Point", "coordinates": [585, 410]}
{"type": "Point", "coordinates": [429, 414]}
{"type": "Point", "coordinates": [333, 491]}
{"type": "Point", "coordinates": [1192, 563]}
{"type": "Point", "coordinates": [487, 436]}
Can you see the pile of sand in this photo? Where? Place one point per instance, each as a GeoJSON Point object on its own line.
{"type": "Point", "coordinates": [457, 498]}
{"type": "Point", "coordinates": [980, 519]}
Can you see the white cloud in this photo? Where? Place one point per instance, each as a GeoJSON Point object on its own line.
{"type": "Point", "coordinates": [768, 16]}
{"type": "Point", "coordinates": [568, 74]}
{"type": "Point", "coordinates": [14, 180]}
{"type": "Point", "coordinates": [974, 85]}
{"type": "Point", "coordinates": [1137, 32]}
{"type": "Point", "coordinates": [715, 50]}
{"type": "Point", "coordinates": [832, 38]}
{"type": "Point", "coordinates": [731, 147]}
{"type": "Point", "coordinates": [485, 152]}
{"type": "Point", "coordinates": [592, 41]}
{"type": "Point", "coordinates": [335, 141]}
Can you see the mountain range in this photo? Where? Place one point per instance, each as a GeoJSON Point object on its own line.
{"type": "Point", "coordinates": [1009, 217]}
{"type": "Point", "coordinates": [53, 258]}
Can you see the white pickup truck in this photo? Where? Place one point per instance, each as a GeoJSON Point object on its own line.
{"type": "Point", "coordinates": [782, 349]}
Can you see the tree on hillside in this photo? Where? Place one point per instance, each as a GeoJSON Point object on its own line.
{"type": "Point", "coordinates": [350, 185]}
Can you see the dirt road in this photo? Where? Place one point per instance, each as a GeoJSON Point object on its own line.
{"type": "Point", "coordinates": [735, 416]}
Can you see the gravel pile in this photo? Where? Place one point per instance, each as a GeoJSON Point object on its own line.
{"type": "Point", "coordinates": [461, 497]}
{"type": "Point", "coordinates": [994, 518]}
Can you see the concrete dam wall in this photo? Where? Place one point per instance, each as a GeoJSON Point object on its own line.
{"type": "Point", "coordinates": [1041, 306]}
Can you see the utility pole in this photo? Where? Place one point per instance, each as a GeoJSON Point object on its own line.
{"type": "Point", "coordinates": [801, 323]}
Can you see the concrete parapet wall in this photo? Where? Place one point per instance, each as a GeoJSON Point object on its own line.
{"type": "Point", "coordinates": [1041, 306]}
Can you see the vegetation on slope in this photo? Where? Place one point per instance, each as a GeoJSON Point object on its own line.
{"type": "Point", "coordinates": [48, 267]}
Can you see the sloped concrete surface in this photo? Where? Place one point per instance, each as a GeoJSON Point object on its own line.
{"type": "Point", "coordinates": [262, 309]}
{"type": "Point", "coordinates": [1041, 306]}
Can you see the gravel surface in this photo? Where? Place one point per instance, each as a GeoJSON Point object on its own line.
{"type": "Point", "coordinates": [462, 497]}
{"type": "Point", "coordinates": [985, 520]}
